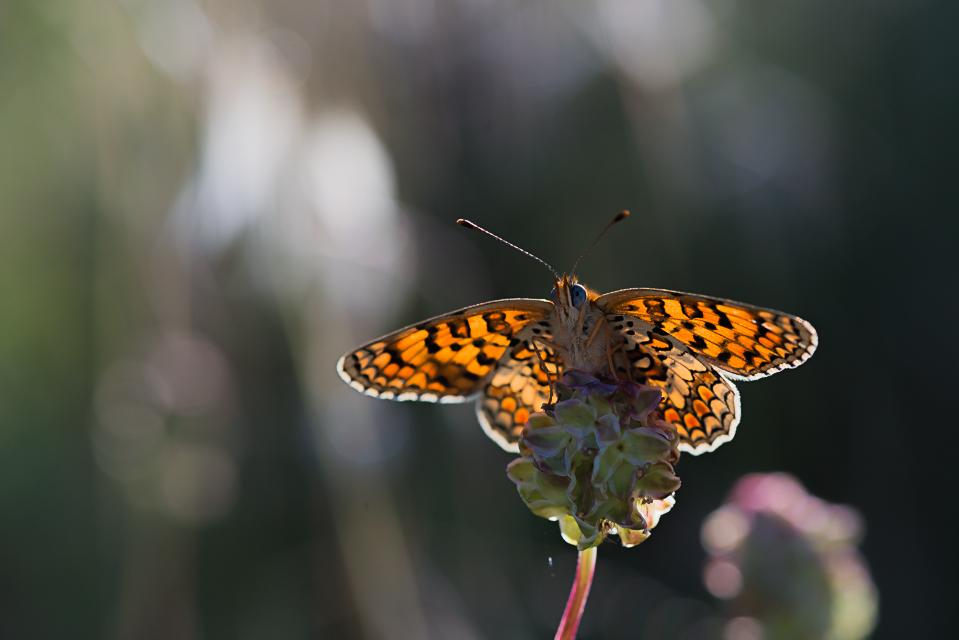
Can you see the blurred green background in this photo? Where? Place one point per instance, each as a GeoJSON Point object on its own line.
{"type": "Point", "coordinates": [204, 203]}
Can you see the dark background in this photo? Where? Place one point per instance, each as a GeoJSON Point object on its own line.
{"type": "Point", "coordinates": [204, 204]}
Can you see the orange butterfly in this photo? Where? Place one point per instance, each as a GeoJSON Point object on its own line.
{"type": "Point", "coordinates": [507, 353]}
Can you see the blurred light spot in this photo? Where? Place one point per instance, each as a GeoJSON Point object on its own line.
{"type": "Point", "coordinates": [175, 35]}
{"type": "Point", "coordinates": [723, 579]}
{"type": "Point", "coordinates": [799, 559]}
{"type": "Point", "coordinates": [295, 52]}
{"type": "Point", "coordinates": [743, 628]}
{"type": "Point", "coordinates": [127, 439]}
{"type": "Point", "coordinates": [724, 530]}
{"type": "Point", "coordinates": [198, 483]}
{"type": "Point", "coordinates": [124, 380]}
{"type": "Point", "coordinates": [150, 415]}
{"type": "Point", "coordinates": [782, 495]}
{"type": "Point", "coordinates": [349, 175]}
{"type": "Point", "coordinates": [775, 492]}
{"type": "Point", "coordinates": [856, 606]}
{"type": "Point", "coordinates": [772, 138]}
{"type": "Point", "coordinates": [189, 373]}
{"type": "Point", "coordinates": [252, 120]}
{"type": "Point", "coordinates": [842, 524]}
{"type": "Point", "coordinates": [343, 221]}
{"type": "Point", "coordinates": [657, 42]}
{"type": "Point", "coordinates": [539, 59]}
{"type": "Point", "coordinates": [129, 430]}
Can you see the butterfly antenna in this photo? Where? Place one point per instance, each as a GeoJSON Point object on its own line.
{"type": "Point", "coordinates": [619, 217]}
{"type": "Point", "coordinates": [472, 225]}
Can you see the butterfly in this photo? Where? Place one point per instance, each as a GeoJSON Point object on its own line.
{"type": "Point", "coordinates": [507, 354]}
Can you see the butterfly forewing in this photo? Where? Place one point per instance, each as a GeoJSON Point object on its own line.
{"type": "Point", "coordinates": [742, 340]}
{"type": "Point", "coordinates": [444, 359]}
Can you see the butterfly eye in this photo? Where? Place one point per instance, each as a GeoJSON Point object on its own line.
{"type": "Point", "coordinates": [578, 295]}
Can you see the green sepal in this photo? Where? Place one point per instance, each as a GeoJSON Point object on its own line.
{"type": "Point", "coordinates": [544, 494]}
{"type": "Point", "coordinates": [644, 445]}
{"type": "Point", "coordinates": [575, 413]}
{"type": "Point", "coordinates": [549, 448]}
{"type": "Point", "coordinates": [658, 481]}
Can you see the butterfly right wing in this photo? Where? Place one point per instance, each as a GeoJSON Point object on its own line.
{"type": "Point", "coordinates": [744, 341]}
{"type": "Point", "coordinates": [448, 358]}
{"type": "Point", "coordinates": [703, 343]}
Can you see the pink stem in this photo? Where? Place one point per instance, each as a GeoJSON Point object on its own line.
{"type": "Point", "coordinates": [577, 595]}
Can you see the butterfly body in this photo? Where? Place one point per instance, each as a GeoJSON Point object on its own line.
{"type": "Point", "coordinates": [580, 335]}
{"type": "Point", "coordinates": [507, 354]}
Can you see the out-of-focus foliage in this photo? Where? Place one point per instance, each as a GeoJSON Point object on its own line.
{"type": "Point", "coordinates": [203, 203]}
{"type": "Point", "coordinates": [787, 563]}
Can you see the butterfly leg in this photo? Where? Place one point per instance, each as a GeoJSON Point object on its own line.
{"type": "Point", "coordinates": [610, 352]}
{"type": "Point", "coordinates": [580, 321]}
{"type": "Point", "coordinates": [542, 362]}
{"type": "Point", "coordinates": [609, 362]}
{"type": "Point", "coordinates": [629, 369]}
{"type": "Point", "coordinates": [595, 332]}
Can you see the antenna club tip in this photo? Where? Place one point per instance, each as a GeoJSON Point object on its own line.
{"type": "Point", "coordinates": [622, 215]}
{"type": "Point", "coordinates": [465, 223]}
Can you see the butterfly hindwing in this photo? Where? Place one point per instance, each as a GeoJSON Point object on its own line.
{"type": "Point", "coordinates": [744, 341]}
{"type": "Point", "coordinates": [444, 359]}
{"type": "Point", "coordinates": [519, 387]}
{"type": "Point", "coordinates": [699, 401]}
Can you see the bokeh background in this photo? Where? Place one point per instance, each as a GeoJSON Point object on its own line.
{"type": "Point", "coordinates": [203, 203]}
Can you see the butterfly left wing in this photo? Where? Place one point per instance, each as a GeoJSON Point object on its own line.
{"type": "Point", "coordinates": [448, 358]}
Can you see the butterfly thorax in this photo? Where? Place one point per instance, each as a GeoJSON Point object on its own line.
{"type": "Point", "coordinates": [581, 334]}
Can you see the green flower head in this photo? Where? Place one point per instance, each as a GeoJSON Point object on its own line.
{"type": "Point", "coordinates": [599, 461]}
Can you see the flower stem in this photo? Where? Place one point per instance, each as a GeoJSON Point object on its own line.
{"type": "Point", "coordinates": [577, 595]}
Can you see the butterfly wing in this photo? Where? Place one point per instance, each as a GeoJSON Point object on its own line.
{"type": "Point", "coordinates": [699, 401]}
{"type": "Point", "coordinates": [444, 359]}
{"type": "Point", "coordinates": [744, 341]}
{"type": "Point", "coordinates": [694, 346]}
{"type": "Point", "coordinates": [519, 386]}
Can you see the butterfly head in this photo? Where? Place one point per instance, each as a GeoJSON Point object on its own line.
{"type": "Point", "coordinates": [569, 293]}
